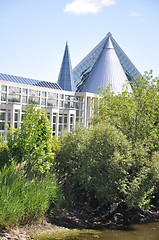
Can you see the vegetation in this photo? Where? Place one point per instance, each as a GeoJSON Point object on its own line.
{"type": "Point", "coordinates": [31, 144]}
{"type": "Point", "coordinates": [115, 160]}
{"type": "Point", "coordinates": [68, 234]}
{"type": "Point", "coordinates": [28, 185]}
{"type": "Point", "coordinates": [22, 199]}
{"type": "Point", "coordinates": [94, 164]}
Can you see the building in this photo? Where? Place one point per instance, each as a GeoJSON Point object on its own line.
{"type": "Point", "coordinates": [69, 100]}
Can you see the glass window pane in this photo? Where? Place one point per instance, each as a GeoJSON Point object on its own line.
{"type": "Point", "coordinates": [3, 97]}
{"type": "Point", "coordinates": [14, 98]}
{"type": "Point", "coordinates": [2, 126]}
{"type": "Point", "coordinates": [24, 91]}
{"type": "Point", "coordinates": [24, 99]}
{"type": "Point", "coordinates": [43, 101]}
{"type": "Point", "coordinates": [2, 116]}
{"type": "Point", "coordinates": [3, 88]}
{"type": "Point", "coordinates": [43, 94]}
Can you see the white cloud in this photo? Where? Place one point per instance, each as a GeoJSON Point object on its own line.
{"type": "Point", "coordinates": [87, 6]}
{"type": "Point", "coordinates": [135, 14]}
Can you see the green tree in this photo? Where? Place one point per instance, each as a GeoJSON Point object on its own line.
{"type": "Point", "coordinates": [31, 144]}
{"type": "Point", "coordinates": [135, 114]}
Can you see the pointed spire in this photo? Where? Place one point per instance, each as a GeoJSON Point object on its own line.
{"type": "Point", "coordinates": [107, 71]}
{"type": "Point", "coordinates": [65, 79]}
{"type": "Point", "coordinates": [108, 44]}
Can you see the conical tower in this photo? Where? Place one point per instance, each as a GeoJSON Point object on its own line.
{"type": "Point", "coordinates": [107, 71]}
{"type": "Point", "coordinates": [82, 71]}
{"type": "Point", "coordinates": [65, 79]}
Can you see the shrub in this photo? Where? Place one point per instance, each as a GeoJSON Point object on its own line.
{"type": "Point", "coordinates": [4, 154]}
{"type": "Point", "coordinates": [94, 163]}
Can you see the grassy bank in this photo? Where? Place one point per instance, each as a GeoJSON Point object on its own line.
{"type": "Point", "coordinates": [23, 200]}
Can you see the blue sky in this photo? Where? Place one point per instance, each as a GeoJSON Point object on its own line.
{"type": "Point", "coordinates": [33, 33]}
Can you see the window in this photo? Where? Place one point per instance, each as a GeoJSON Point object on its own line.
{"type": "Point", "coordinates": [2, 120]}
{"type": "Point", "coordinates": [34, 100]}
{"type": "Point", "coordinates": [65, 121]}
{"type": "Point", "coordinates": [2, 126]}
{"type": "Point", "coordinates": [14, 95]}
{"type": "Point", "coordinates": [54, 124]}
{"type": "Point", "coordinates": [24, 100]}
{"type": "Point", "coordinates": [16, 118]}
{"type": "Point", "coordinates": [61, 96]}
{"type": "Point", "coordinates": [43, 94]}
{"type": "Point", "coordinates": [3, 97]}
{"type": "Point", "coordinates": [60, 122]}
{"type": "Point", "coordinates": [3, 88]}
{"type": "Point", "coordinates": [43, 102]}
{"type": "Point", "coordinates": [14, 90]}
{"type": "Point", "coordinates": [24, 91]}
{"type": "Point", "coordinates": [52, 96]}
{"type": "Point", "coordinates": [71, 121]}
{"type": "Point", "coordinates": [52, 100]}
{"type": "Point", "coordinates": [34, 93]}
{"type": "Point", "coordinates": [14, 98]}
{"type": "Point", "coordinates": [2, 115]}
{"type": "Point", "coordinates": [9, 118]}
{"type": "Point", "coordinates": [22, 116]}
{"type": "Point", "coordinates": [52, 103]}
{"type": "Point", "coordinates": [61, 104]}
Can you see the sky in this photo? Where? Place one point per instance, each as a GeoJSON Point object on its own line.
{"type": "Point", "coordinates": [33, 33]}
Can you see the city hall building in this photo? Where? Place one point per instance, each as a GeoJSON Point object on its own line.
{"type": "Point", "coordinates": [71, 99]}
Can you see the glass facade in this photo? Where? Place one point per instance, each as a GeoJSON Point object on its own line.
{"type": "Point", "coordinates": [63, 109]}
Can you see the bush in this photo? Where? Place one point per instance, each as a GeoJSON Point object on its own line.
{"type": "Point", "coordinates": [4, 154]}
{"type": "Point", "coordinates": [94, 164]}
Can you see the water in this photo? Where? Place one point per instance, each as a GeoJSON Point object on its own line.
{"type": "Point", "coordinates": [134, 232]}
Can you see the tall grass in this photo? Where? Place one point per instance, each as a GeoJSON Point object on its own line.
{"type": "Point", "coordinates": [22, 200]}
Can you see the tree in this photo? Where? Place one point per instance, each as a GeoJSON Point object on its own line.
{"type": "Point", "coordinates": [32, 142]}
{"type": "Point", "coordinates": [135, 114]}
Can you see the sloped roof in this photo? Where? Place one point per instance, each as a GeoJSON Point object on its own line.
{"type": "Point", "coordinates": [107, 71]}
{"type": "Point", "coordinates": [82, 71]}
{"type": "Point", "coordinates": [29, 81]}
{"type": "Point", "coordinates": [65, 79]}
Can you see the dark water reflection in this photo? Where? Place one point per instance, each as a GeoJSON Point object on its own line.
{"type": "Point", "coordinates": [135, 232]}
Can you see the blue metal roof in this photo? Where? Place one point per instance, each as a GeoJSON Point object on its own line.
{"type": "Point", "coordinates": [107, 71]}
{"type": "Point", "coordinates": [28, 81]}
{"type": "Point", "coordinates": [65, 79]}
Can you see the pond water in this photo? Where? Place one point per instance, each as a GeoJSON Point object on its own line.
{"type": "Point", "coordinates": [134, 232]}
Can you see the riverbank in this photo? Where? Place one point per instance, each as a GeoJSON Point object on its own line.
{"type": "Point", "coordinates": [117, 217]}
{"type": "Point", "coordinates": [81, 218]}
{"type": "Point", "coordinates": [30, 231]}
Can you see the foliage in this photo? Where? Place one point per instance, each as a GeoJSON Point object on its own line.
{"type": "Point", "coordinates": [32, 142]}
{"type": "Point", "coordinates": [116, 158]}
{"type": "Point", "coordinates": [22, 199]}
{"type": "Point", "coordinates": [135, 114]}
{"type": "Point", "coordinates": [4, 154]}
{"type": "Point", "coordinates": [94, 163]}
